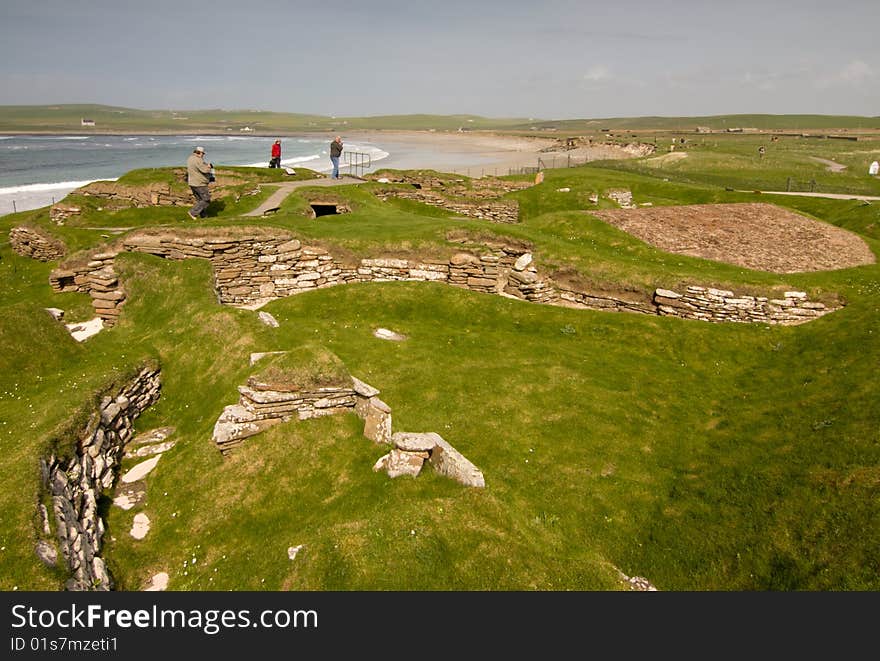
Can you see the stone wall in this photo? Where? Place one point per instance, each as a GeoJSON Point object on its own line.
{"type": "Point", "coordinates": [61, 211]}
{"type": "Point", "coordinates": [493, 210]}
{"type": "Point", "coordinates": [720, 305]}
{"type": "Point", "coordinates": [260, 407]}
{"type": "Point", "coordinates": [76, 483]}
{"type": "Point", "coordinates": [96, 278]}
{"type": "Point", "coordinates": [151, 195]}
{"type": "Point", "coordinates": [36, 244]}
{"type": "Point", "coordinates": [267, 264]}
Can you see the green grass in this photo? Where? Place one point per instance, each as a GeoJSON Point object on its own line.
{"type": "Point", "coordinates": [701, 456]}
{"type": "Point", "coordinates": [67, 118]}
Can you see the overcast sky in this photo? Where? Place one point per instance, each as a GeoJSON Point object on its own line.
{"type": "Point", "coordinates": [546, 59]}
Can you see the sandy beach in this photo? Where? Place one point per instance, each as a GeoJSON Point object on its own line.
{"type": "Point", "coordinates": [483, 153]}
{"type": "Point", "coordinates": [473, 153]}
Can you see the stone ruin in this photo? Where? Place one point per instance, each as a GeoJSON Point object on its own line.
{"type": "Point", "coordinates": [264, 264]}
{"type": "Point", "coordinates": [151, 195]}
{"type": "Point", "coordinates": [61, 211]}
{"type": "Point", "coordinates": [97, 278]}
{"type": "Point", "coordinates": [35, 243]}
{"type": "Point", "coordinates": [263, 405]}
{"type": "Point", "coordinates": [472, 198]}
{"type": "Point", "coordinates": [163, 193]}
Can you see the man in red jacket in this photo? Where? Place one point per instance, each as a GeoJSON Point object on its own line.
{"type": "Point", "coordinates": [276, 155]}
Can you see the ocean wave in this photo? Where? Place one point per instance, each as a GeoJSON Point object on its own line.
{"type": "Point", "coordinates": [59, 185]}
{"type": "Point", "coordinates": [296, 160]}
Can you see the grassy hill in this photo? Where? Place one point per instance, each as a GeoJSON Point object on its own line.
{"type": "Point", "coordinates": [65, 118]}
{"type": "Point", "coordinates": [701, 456]}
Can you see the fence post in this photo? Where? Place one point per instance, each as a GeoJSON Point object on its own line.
{"type": "Point", "coordinates": [812, 185]}
{"type": "Point", "coordinates": [14, 210]}
{"type": "Point", "coordinates": [788, 184]}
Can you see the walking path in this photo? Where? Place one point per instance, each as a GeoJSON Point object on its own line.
{"type": "Point", "coordinates": [833, 166]}
{"type": "Point", "coordinates": [834, 196]}
{"type": "Point", "coordinates": [286, 187]}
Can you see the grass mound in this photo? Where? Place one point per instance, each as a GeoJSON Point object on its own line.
{"type": "Point", "coordinates": [307, 367]}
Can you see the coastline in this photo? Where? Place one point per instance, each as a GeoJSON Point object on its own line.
{"type": "Point", "coordinates": [482, 153]}
{"type": "Point", "coordinates": [471, 153]}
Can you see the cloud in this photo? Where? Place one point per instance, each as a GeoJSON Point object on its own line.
{"type": "Point", "coordinates": [856, 72]}
{"type": "Point", "coordinates": [853, 74]}
{"type": "Point", "coordinates": [597, 74]}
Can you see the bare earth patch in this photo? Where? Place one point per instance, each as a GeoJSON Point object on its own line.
{"type": "Point", "coordinates": [758, 236]}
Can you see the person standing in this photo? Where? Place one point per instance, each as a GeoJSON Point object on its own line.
{"type": "Point", "coordinates": [335, 153]}
{"type": "Point", "coordinates": [275, 162]}
{"type": "Point", "coordinates": [198, 176]}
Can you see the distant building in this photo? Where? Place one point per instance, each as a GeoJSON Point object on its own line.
{"type": "Point", "coordinates": [703, 129]}
{"type": "Point", "coordinates": [246, 129]}
{"type": "Point", "coordinates": [87, 122]}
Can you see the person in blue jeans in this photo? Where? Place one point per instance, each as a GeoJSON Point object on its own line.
{"type": "Point", "coordinates": [198, 175]}
{"type": "Point", "coordinates": [335, 153]}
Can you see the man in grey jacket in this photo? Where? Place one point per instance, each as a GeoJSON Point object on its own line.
{"type": "Point", "coordinates": [335, 153]}
{"type": "Point", "coordinates": [198, 177]}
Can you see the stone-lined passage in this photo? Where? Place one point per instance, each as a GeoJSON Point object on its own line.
{"type": "Point", "coordinates": [76, 483]}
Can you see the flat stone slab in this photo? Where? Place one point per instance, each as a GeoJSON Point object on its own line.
{"type": "Point", "coordinates": [141, 526]}
{"type": "Point", "coordinates": [385, 334]}
{"type": "Point", "coordinates": [129, 498]}
{"type": "Point", "coordinates": [364, 389]}
{"type": "Point", "coordinates": [400, 462]}
{"type": "Point", "coordinates": [416, 441]}
{"type": "Point", "coordinates": [86, 329]}
{"type": "Point", "coordinates": [153, 436]}
{"type": "Point", "coordinates": [158, 583]}
{"type": "Point", "coordinates": [268, 319]}
{"type": "Point", "coordinates": [448, 461]}
{"type": "Point", "coordinates": [141, 470]}
{"type": "Point", "coordinates": [148, 450]}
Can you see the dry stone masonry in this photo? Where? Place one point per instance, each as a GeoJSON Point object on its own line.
{"type": "Point", "coordinates": [264, 264]}
{"type": "Point", "coordinates": [411, 451]}
{"type": "Point", "coordinates": [472, 198]}
{"type": "Point", "coordinates": [36, 244]}
{"type": "Point", "coordinates": [61, 211]}
{"type": "Point", "coordinates": [260, 408]}
{"type": "Point", "coordinates": [76, 483]}
{"type": "Point", "coordinates": [151, 195]}
{"type": "Point", "coordinates": [720, 305]}
{"type": "Point", "coordinates": [96, 278]}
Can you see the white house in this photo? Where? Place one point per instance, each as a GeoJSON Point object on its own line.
{"type": "Point", "coordinates": [87, 122]}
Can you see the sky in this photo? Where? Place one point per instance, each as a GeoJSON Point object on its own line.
{"type": "Point", "coordinates": [543, 59]}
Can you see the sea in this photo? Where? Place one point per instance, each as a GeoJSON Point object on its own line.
{"type": "Point", "coordinates": [39, 170]}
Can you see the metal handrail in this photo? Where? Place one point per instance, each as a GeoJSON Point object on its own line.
{"type": "Point", "coordinates": [357, 162]}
